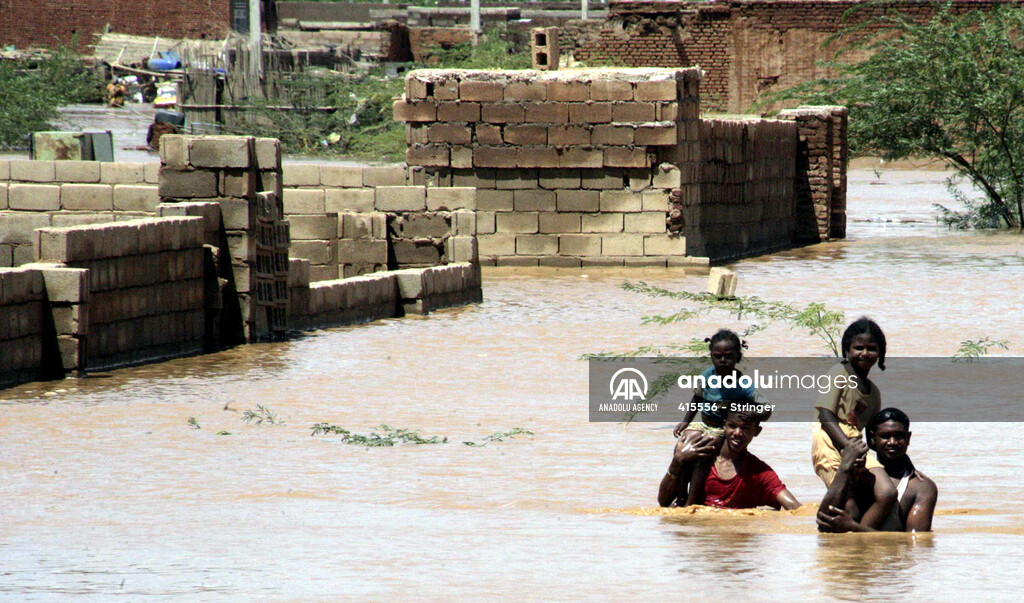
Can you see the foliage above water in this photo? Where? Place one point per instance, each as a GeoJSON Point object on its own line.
{"type": "Point", "coordinates": [950, 87]}
{"type": "Point", "coordinates": [350, 114]}
{"type": "Point", "coordinates": [31, 91]}
{"type": "Point", "coordinates": [260, 415]}
{"type": "Point", "coordinates": [972, 349]}
{"type": "Point", "coordinates": [385, 435]}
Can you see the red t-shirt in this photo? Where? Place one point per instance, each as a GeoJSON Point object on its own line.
{"type": "Point", "coordinates": [754, 485]}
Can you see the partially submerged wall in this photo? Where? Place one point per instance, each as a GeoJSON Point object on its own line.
{"type": "Point", "coordinates": [571, 168]}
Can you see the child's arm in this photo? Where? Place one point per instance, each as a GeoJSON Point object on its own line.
{"type": "Point", "coordinates": [688, 417]}
{"type": "Point", "coordinates": [830, 424]}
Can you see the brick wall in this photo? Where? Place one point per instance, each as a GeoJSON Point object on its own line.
{"type": "Point", "coordinates": [23, 329]}
{"type": "Point", "coordinates": [571, 168]}
{"type": "Point", "coordinates": [25, 23]}
{"type": "Point", "coordinates": [36, 194]}
{"type": "Point", "coordinates": [745, 47]}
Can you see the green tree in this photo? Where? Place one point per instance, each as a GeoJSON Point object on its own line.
{"type": "Point", "coordinates": [949, 87]}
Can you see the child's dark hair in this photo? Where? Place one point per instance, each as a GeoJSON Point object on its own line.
{"type": "Point", "coordinates": [730, 336]}
{"type": "Point", "coordinates": [865, 326]}
{"type": "Point", "coordinates": [883, 416]}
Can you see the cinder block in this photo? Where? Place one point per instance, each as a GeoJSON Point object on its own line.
{"type": "Point", "coordinates": [567, 135]}
{"type": "Point", "coordinates": [384, 176]}
{"type": "Point", "coordinates": [268, 153]}
{"type": "Point", "coordinates": [536, 244]}
{"type": "Point", "coordinates": [611, 90]}
{"type": "Point", "coordinates": [32, 171]}
{"type": "Point", "coordinates": [626, 157]}
{"type": "Point", "coordinates": [580, 157]}
{"type": "Point", "coordinates": [304, 201]}
{"type": "Point", "coordinates": [174, 151]}
{"type": "Point", "coordinates": [525, 222]}
{"type": "Point", "coordinates": [318, 253]}
{"type": "Point", "coordinates": [362, 251]}
{"type": "Point", "coordinates": [5, 169]}
{"type": "Point", "coordinates": [546, 113]}
{"type": "Point", "coordinates": [432, 155]}
{"type": "Point", "coordinates": [551, 222]}
{"type": "Point", "coordinates": [410, 282]}
{"type": "Point", "coordinates": [655, 135]}
{"type": "Point", "coordinates": [663, 90]}
{"type": "Point", "coordinates": [461, 157]}
{"type": "Point", "coordinates": [485, 222]}
{"type": "Point", "coordinates": [494, 200]}
{"type": "Point", "coordinates": [562, 91]}
{"type": "Point", "coordinates": [3, 195]}
{"type": "Point", "coordinates": [538, 157]}
{"type": "Point", "coordinates": [488, 134]}
{"type": "Point", "coordinates": [349, 200]}
{"type": "Point", "coordinates": [77, 171]}
{"type": "Point", "coordinates": [497, 157]}
{"type": "Point", "coordinates": [602, 223]}
{"type": "Point", "coordinates": [556, 179]}
{"type": "Point", "coordinates": [463, 249]}
{"type": "Point", "coordinates": [298, 272]}
{"type": "Point", "coordinates": [151, 173]}
{"type": "Point", "coordinates": [526, 135]}
{"type": "Point", "coordinates": [533, 200]}
{"type": "Point", "coordinates": [294, 174]}
{"type": "Point", "coordinates": [482, 91]}
{"type": "Point", "coordinates": [450, 198]}
{"type": "Point", "coordinates": [220, 152]}
{"type": "Point", "coordinates": [622, 244]}
{"type": "Point", "coordinates": [497, 244]}
{"type": "Point", "coordinates": [237, 183]}
{"type": "Point", "coordinates": [606, 179]}
{"type": "Point", "coordinates": [579, 244]}
{"type": "Point", "coordinates": [555, 261]}
{"type": "Point", "coordinates": [655, 200]}
{"type": "Point", "coordinates": [401, 198]}
{"type": "Point", "coordinates": [460, 112]}
{"type": "Point", "coordinates": [33, 197]}
{"type": "Point", "coordinates": [620, 201]}
{"type": "Point", "coordinates": [722, 283]}
{"type": "Point", "coordinates": [590, 113]}
{"type": "Point", "coordinates": [650, 221]}
{"type": "Point", "coordinates": [305, 228]}
{"type": "Point", "coordinates": [664, 245]}
{"type": "Point", "coordinates": [237, 214]}
{"type": "Point", "coordinates": [464, 222]}
{"type": "Point", "coordinates": [667, 176]}
{"type": "Point", "coordinates": [613, 135]}
{"type": "Point", "coordinates": [525, 91]}
{"type": "Point", "coordinates": [63, 285]}
{"type": "Point", "coordinates": [210, 212]}
{"type": "Point", "coordinates": [454, 133]}
{"type": "Point", "coordinates": [633, 112]}
{"type": "Point", "coordinates": [95, 197]}
{"type": "Point", "coordinates": [577, 200]}
{"type": "Point", "coordinates": [423, 225]}
{"type": "Point", "coordinates": [415, 111]}
{"type": "Point", "coordinates": [192, 184]}
{"type": "Point", "coordinates": [417, 252]}
{"type": "Point", "coordinates": [122, 173]}
{"type": "Point", "coordinates": [341, 176]}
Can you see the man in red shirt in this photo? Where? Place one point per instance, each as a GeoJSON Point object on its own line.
{"type": "Point", "coordinates": [738, 479]}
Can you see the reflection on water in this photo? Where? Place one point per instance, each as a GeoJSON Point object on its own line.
{"type": "Point", "coordinates": [108, 490]}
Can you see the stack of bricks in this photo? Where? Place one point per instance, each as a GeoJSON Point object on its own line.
{"type": "Point", "coordinates": [746, 188]}
{"type": "Point", "coordinates": [568, 165]}
{"type": "Point", "coordinates": [243, 176]}
{"type": "Point", "coordinates": [816, 174]}
{"type": "Point", "coordinates": [37, 194]}
{"type": "Point", "coordinates": [139, 294]}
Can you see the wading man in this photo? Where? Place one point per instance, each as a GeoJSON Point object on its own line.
{"type": "Point", "coordinates": [888, 434]}
{"type": "Point", "coordinates": [738, 479]}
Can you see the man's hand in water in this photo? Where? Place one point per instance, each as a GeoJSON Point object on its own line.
{"type": "Point", "coordinates": [836, 520]}
{"type": "Point", "coordinates": [692, 450]}
{"type": "Point", "coordinates": [853, 454]}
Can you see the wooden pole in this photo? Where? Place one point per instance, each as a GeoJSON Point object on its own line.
{"type": "Point", "coordinates": [474, 20]}
{"type": "Point", "coordinates": [255, 39]}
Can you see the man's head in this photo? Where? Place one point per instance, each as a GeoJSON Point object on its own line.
{"type": "Point", "coordinates": [740, 429]}
{"type": "Point", "coordinates": [888, 434]}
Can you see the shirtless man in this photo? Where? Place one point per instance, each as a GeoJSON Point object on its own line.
{"type": "Point", "coordinates": [737, 480]}
{"type": "Point", "coordinates": [889, 435]}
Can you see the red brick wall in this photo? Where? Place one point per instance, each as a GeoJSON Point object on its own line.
{"type": "Point", "coordinates": [26, 23]}
{"type": "Point", "coordinates": [745, 47]}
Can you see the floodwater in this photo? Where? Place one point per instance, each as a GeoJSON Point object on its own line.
{"type": "Point", "coordinates": [108, 491]}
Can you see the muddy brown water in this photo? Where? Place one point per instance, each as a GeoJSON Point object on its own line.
{"type": "Point", "coordinates": [107, 491]}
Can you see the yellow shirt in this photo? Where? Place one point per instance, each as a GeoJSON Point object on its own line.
{"type": "Point", "coordinates": [851, 405]}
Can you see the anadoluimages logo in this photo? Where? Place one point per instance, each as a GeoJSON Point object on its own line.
{"type": "Point", "coordinates": [628, 384]}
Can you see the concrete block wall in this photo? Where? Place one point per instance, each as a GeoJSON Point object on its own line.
{"type": "Point", "coordinates": [37, 194]}
{"type": "Point", "coordinates": [243, 176]}
{"type": "Point", "coordinates": [137, 293]}
{"type": "Point", "coordinates": [350, 221]}
{"type": "Point", "coordinates": [572, 168]}
{"type": "Point", "coordinates": [746, 188]}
